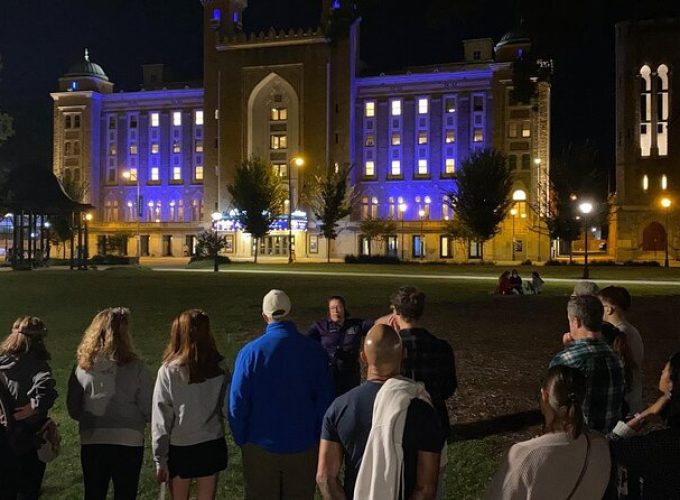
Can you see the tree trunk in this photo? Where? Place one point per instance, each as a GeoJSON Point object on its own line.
{"type": "Point", "coordinates": [328, 250]}
{"type": "Point", "coordinates": [257, 245]}
{"type": "Point", "coordinates": [571, 253]}
{"type": "Point", "coordinates": [216, 265]}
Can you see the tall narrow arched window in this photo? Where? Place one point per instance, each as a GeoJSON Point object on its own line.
{"type": "Point", "coordinates": [645, 111]}
{"type": "Point", "coordinates": [662, 109]}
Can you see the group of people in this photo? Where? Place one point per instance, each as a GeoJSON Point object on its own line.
{"type": "Point", "coordinates": [511, 283]}
{"type": "Point", "coordinates": [301, 417]}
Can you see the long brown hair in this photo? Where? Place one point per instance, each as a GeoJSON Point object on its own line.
{"type": "Point", "coordinates": [107, 335]}
{"type": "Point", "coordinates": [193, 346]}
{"type": "Point", "coordinates": [26, 336]}
{"type": "Point", "coordinates": [566, 388]}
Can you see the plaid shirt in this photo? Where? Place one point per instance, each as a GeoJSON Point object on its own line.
{"type": "Point", "coordinates": [603, 370]}
{"type": "Point", "coordinates": [430, 360]}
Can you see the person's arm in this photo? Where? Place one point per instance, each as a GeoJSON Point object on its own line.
{"type": "Point", "coordinates": [325, 389]}
{"type": "Point", "coordinates": [449, 383]}
{"type": "Point", "coordinates": [427, 476]}
{"type": "Point", "coordinates": [162, 419]}
{"type": "Point", "coordinates": [636, 423]}
{"type": "Point", "coordinates": [240, 399]}
{"type": "Point", "coordinates": [42, 394]}
{"type": "Point", "coordinates": [314, 332]}
{"type": "Point", "coordinates": [327, 474]}
{"type": "Point", "coordinates": [74, 396]}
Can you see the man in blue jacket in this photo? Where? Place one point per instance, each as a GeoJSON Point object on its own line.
{"type": "Point", "coordinates": [280, 391]}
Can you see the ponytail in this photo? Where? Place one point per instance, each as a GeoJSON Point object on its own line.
{"type": "Point", "coordinates": [566, 388]}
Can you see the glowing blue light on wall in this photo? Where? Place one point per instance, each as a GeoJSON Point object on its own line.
{"type": "Point", "coordinates": [336, 4]}
{"type": "Point", "coordinates": [235, 17]}
{"type": "Point", "coordinates": [74, 86]}
{"type": "Point", "coordinates": [217, 15]}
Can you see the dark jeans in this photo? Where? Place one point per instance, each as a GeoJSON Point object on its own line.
{"type": "Point", "coordinates": [21, 477]}
{"type": "Point", "coordinates": [103, 463]}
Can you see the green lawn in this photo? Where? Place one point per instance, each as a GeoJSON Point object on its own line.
{"type": "Point", "coordinates": [497, 376]}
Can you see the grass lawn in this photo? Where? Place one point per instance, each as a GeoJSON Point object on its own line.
{"type": "Point", "coordinates": [502, 344]}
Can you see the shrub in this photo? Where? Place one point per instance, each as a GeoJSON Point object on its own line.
{"type": "Point", "coordinates": [642, 263]}
{"type": "Point", "coordinates": [112, 260]}
{"type": "Point", "coordinates": [553, 262]}
{"type": "Point", "coordinates": [371, 259]}
{"type": "Point", "coordinates": [602, 263]}
{"type": "Point", "coordinates": [221, 259]}
{"type": "Point", "coordinates": [527, 262]}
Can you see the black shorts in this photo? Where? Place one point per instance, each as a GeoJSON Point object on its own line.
{"type": "Point", "coordinates": [198, 460]}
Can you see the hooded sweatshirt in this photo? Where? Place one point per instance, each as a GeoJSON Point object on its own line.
{"type": "Point", "coordinates": [30, 381]}
{"type": "Point", "coordinates": [111, 402]}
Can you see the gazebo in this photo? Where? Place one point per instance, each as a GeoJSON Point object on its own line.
{"type": "Point", "coordinates": [33, 196]}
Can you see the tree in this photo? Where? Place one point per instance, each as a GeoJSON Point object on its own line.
{"type": "Point", "coordinates": [6, 122]}
{"type": "Point", "coordinates": [330, 198]}
{"type": "Point", "coordinates": [258, 196]}
{"type": "Point", "coordinates": [376, 229]}
{"type": "Point", "coordinates": [481, 198]}
{"type": "Point", "coordinates": [210, 244]}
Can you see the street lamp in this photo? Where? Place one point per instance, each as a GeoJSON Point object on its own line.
{"type": "Point", "coordinates": [86, 254]}
{"type": "Point", "coordinates": [298, 162]}
{"type": "Point", "coordinates": [402, 209]}
{"type": "Point", "coordinates": [130, 177]}
{"type": "Point", "coordinates": [421, 215]}
{"type": "Point", "coordinates": [585, 208]}
{"type": "Point", "coordinates": [513, 212]}
{"type": "Point", "coordinates": [666, 205]}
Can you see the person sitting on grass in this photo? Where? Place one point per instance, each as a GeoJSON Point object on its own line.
{"type": "Point", "coordinates": [655, 456]}
{"type": "Point", "coordinates": [568, 460]}
{"type": "Point", "coordinates": [348, 427]}
{"type": "Point", "coordinates": [189, 402]}
{"type": "Point", "coordinates": [109, 394]}
{"type": "Point", "coordinates": [504, 286]}
{"type": "Point", "coordinates": [536, 283]}
{"type": "Point", "coordinates": [516, 282]}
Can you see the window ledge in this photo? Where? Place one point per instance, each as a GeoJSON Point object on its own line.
{"type": "Point", "coordinates": [395, 177]}
{"type": "Point", "coordinates": [422, 177]}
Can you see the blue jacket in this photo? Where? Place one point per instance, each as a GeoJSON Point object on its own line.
{"type": "Point", "coordinates": [280, 391]}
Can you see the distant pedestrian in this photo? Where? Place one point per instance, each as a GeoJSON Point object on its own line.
{"type": "Point", "coordinates": [568, 460]}
{"type": "Point", "coordinates": [280, 392]}
{"type": "Point", "coordinates": [26, 379]}
{"type": "Point", "coordinates": [189, 402]}
{"type": "Point", "coordinates": [109, 394]}
{"type": "Point", "coordinates": [340, 335]}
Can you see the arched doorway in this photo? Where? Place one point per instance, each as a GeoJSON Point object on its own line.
{"type": "Point", "coordinates": [654, 238]}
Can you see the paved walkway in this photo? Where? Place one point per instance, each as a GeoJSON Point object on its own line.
{"type": "Point", "coordinates": [445, 277]}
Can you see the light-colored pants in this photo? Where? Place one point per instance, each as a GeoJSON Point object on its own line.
{"type": "Point", "coordinates": [279, 476]}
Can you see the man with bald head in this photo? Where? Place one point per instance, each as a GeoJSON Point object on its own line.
{"type": "Point", "coordinates": [348, 421]}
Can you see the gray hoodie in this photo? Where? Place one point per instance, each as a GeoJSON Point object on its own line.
{"type": "Point", "coordinates": [111, 402]}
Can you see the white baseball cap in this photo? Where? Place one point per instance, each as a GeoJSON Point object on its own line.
{"type": "Point", "coordinates": [276, 304]}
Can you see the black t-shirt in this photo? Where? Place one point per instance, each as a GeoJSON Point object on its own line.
{"type": "Point", "coordinates": [348, 422]}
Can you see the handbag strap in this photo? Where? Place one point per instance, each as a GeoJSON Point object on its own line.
{"type": "Point", "coordinates": [583, 469]}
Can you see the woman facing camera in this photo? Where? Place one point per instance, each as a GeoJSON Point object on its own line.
{"type": "Point", "coordinates": [654, 457]}
{"type": "Point", "coordinates": [567, 461]}
{"type": "Point", "coordinates": [189, 403]}
{"type": "Point", "coordinates": [109, 394]}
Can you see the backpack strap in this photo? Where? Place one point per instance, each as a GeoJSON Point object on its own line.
{"type": "Point", "coordinates": [583, 469]}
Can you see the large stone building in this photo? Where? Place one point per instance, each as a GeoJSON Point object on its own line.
{"type": "Point", "coordinates": [647, 152]}
{"type": "Point", "coordinates": [282, 95]}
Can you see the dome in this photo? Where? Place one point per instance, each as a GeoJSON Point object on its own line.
{"type": "Point", "coordinates": [515, 36]}
{"type": "Point", "coordinates": [87, 68]}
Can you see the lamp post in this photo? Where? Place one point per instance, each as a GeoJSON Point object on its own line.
{"type": "Point", "coordinates": [88, 219]}
{"type": "Point", "coordinates": [585, 208]}
{"type": "Point", "coordinates": [402, 209]}
{"type": "Point", "coordinates": [666, 205]}
{"type": "Point", "coordinates": [421, 215]}
{"type": "Point", "coordinates": [513, 212]}
{"type": "Point", "coordinates": [298, 162]}
{"type": "Point", "coordinates": [128, 175]}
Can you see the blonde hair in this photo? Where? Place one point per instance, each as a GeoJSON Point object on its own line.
{"type": "Point", "coordinates": [107, 335]}
{"type": "Point", "coordinates": [26, 336]}
{"type": "Point", "coordinates": [193, 346]}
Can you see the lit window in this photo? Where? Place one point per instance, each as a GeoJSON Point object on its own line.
{"type": "Point", "coordinates": [112, 149]}
{"type": "Point", "coordinates": [374, 207]}
{"type": "Point", "coordinates": [396, 167]}
{"type": "Point", "coordinates": [664, 182]}
{"type": "Point", "coordinates": [422, 137]}
{"type": "Point", "coordinates": [450, 166]}
{"type": "Point", "coordinates": [198, 146]}
{"type": "Point", "coordinates": [198, 173]}
{"type": "Point", "coordinates": [645, 110]}
{"type": "Point", "coordinates": [369, 169]}
{"type": "Point", "coordinates": [478, 135]}
{"type": "Point", "coordinates": [133, 175]}
{"type": "Point", "coordinates": [369, 109]}
{"type": "Point", "coordinates": [645, 182]}
{"type": "Point", "coordinates": [177, 118]}
{"type": "Point", "coordinates": [155, 148]}
{"type": "Point", "coordinates": [526, 129]}
{"type": "Point", "coordinates": [279, 141]}
{"type": "Point", "coordinates": [662, 110]}
{"type": "Point", "coordinates": [133, 149]}
{"type": "Point", "coordinates": [422, 105]}
{"type": "Point", "coordinates": [396, 138]}
{"type": "Point", "coordinates": [279, 114]}
{"type": "Point", "coordinates": [155, 119]}
{"type": "Point", "coordinates": [519, 195]}
{"type": "Point", "coordinates": [450, 105]}
{"type": "Point", "coordinates": [176, 147]}
{"type": "Point", "coordinates": [526, 162]}
{"type": "Point", "coordinates": [198, 117]}
{"type": "Point", "coordinates": [450, 137]}
{"type": "Point", "coordinates": [396, 107]}
{"type": "Point", "coordinates": [370, 140]}
{"type": "Point", "coordinates": [422, 167]}
{"type": "Point", "coordinates": [154, 176]}
{"type": "Point", "coordinates": [512, 130]}
{"type": "Point", "coordinates": [176, 173]}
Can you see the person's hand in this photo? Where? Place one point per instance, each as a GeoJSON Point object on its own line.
{"type": "Point", "coordinates": [24, 412]}
{"type": "Point", "coordinates": [567, 339]}
{"type": "Point", "coordinates": [162, 475]}
{"type": "Point", "coordinates": [657, 407]}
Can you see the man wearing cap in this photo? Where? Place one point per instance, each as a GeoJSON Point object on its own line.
{"type": "Point", "coordinates": [280, 391]}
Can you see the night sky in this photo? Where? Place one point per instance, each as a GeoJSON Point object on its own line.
{"type": "Point", "coordinates": [40, 39]}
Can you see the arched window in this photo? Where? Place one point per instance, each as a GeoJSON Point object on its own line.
{"type": "Point", "coordinates": [662, 109]}
{"type": "Point", "coordinates": [519, 195]}
{"type": "Point", "coordinates": [645, 111]}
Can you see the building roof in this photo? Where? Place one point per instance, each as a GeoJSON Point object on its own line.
{"type": "Point", "coordinates": [514, 36]}
{"type": "Point", "coordinates": [87, 68]}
